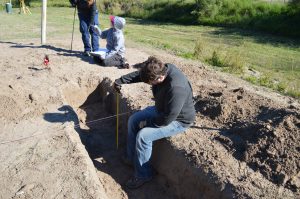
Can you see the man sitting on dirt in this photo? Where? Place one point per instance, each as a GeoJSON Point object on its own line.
{"type": "Point", "coordinates": [173, 113]}
{"type": "Point", "coordinates": [114, 53]}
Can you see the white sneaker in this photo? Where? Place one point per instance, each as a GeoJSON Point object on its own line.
{"type": "Point", "coordinates": [101, 52]}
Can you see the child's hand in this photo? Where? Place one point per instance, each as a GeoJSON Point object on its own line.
{"type": "Point", "coordinates": [96, 29]}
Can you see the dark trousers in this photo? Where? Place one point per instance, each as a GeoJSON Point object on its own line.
{"type": "Point", "coordinates": [86, 31]}
{"type": "Point", "coordinates": [115, 60]}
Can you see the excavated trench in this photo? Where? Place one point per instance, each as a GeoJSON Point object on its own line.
{"type": "Point", "coordinates": [95, 109]}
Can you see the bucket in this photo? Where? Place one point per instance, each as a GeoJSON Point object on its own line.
{"type": "Point", "coordinates": [8, 7]}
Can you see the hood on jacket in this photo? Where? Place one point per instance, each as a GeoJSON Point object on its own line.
{"type": "Point", "coordinates": [118, 22]}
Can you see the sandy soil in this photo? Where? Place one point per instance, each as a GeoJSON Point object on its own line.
{"type": "Point", "coordinates": [245, 142]}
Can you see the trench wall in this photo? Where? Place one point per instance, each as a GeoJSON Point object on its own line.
{"type": "Point", "coordinates": [185, 180]}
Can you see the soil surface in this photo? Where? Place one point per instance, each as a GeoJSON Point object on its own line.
{"type": "Point", "coordinates": [58, 131]}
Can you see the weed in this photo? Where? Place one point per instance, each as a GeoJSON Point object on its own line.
{"type": "Point", "coordinates": [293, 93]}
{"type": "Point", "coordinates": [251, 79]}
{"type": "Point", "coordinates": [265, 81]}
{"type": "Point", "coordinates": [199, 49]}
{"type": "Point", "coordinates": [232, 63]}
{"type": "Point", "coordinates": [235, 63]}
{"type": "Point", "coordinates": [281, 87]}
{"type": "Point", "coordinates": [187, 55]}
{"type": "Point", "coordinates": [216, 60]}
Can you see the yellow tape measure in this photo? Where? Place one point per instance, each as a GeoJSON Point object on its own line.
{"type": "Point", "coordinates": [117, 127]}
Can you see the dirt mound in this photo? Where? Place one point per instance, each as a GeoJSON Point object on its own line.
{"type": "Point", "coordinates": [257, 131]}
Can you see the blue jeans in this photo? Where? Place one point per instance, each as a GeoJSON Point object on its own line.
{"type": "Point", "coordinates": [139, 141]}
{"type": "Point", "coordinates": [86, 31]}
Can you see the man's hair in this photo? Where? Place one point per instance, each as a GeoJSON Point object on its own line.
{"type": "Point", "coordinates": [152, 69]}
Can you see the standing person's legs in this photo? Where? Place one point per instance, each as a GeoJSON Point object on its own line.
{"type": "Point", "coordinates": [95, 37]}
{"type": "Point", "coordinates": [85, 35]}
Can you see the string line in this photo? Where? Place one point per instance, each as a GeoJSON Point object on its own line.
{"type": "Point", "coordinates": [5, 142]}
{"type": "Point", "coordinates": [100, 119]}
{"type": "Point", "coordinates": [75, 126]}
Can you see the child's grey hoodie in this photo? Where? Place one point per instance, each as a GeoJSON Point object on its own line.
{"type": "Point", "coordinates": [115, 38]}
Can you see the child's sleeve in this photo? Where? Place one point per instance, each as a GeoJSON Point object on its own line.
{"type": "Point", "coordinates": [104, 34]}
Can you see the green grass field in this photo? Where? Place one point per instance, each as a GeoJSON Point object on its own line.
{"type": "Point", "coordinates": [277, 59]}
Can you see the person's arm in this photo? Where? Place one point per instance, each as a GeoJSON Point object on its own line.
{"type": "Point", "coordinates": [174, 101]}
{"type": "Point", "coordinates": [104, 34]}
{"type": "Point", "coordinates": [130, 78]}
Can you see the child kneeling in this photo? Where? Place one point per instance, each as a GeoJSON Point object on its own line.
{"type": "Point", "coordinates": [114, 53]}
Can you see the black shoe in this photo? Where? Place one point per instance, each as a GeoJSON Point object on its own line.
{"type": "Point", "coordinates": [124, 64]}
{"type": "Point", "coordinates": [135, 182]}
{"type": "Point", "coordinates": [87, 53]}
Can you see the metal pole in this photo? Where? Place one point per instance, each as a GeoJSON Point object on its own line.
{"type": "Point", "coordinates": [43, 23]}
{"type": "Point", "coordinates": [73, 29]}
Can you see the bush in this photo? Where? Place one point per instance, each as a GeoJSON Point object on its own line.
{"type": "Point", "coordinates": [275, 18]}
{"type": "Point", "coordinates": [260, 15]}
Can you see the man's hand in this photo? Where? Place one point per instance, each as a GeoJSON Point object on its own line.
{"type": "Point", "coordinates": [142, 124]}
{"type": "Point", "coordinates": [117, 87]}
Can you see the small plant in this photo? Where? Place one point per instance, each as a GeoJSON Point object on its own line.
{"type": "Point", "coordinates": [235, 64]}
{"type": "Point", "coordinates": [251, 79]}
{"type": "Point", "coordinates": [281, 87]}
{"type": "Point", "coordinates": [265, 81]}
{"type": "Point", "coordinates": [199, 49]}
{"type": "Point", "coordinates": [293, 93]}
{"type": "Point", "coordinates": [216, 60]}
{"type": "Point", "coordinates": [187, 55]}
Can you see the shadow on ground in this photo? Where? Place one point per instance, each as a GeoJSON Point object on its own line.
{"type": "Point", "coordinates": [58, 50]}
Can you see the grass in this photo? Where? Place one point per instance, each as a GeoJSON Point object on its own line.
{"type": "Point", "coordinates": [277, 59]}
{"type": "Point", "coordinates": [230, 48]}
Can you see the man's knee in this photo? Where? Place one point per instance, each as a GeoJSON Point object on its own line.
{"type": "Point", "coordinates": [144, 136]}
{"type": "Point", "coordinates": [132, 121]}
{"type": "Point", "coordinates": [140, 138]}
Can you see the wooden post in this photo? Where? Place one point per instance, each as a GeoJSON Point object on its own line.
{"type": "Point", "coordinates": [43, 22]}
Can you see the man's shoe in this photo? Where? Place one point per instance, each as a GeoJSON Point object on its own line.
{"type": "Point", "coordinates": [127, 161]}
{"type": "Point", "coordinates": [87, 53]}
{"type": "Point", "coordinates": [135, 182]}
